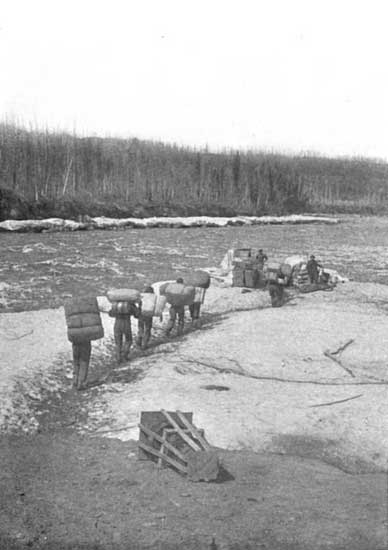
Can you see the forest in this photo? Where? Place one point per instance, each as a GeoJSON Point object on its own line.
{"type": "Point", "coordinates": [48, 173]}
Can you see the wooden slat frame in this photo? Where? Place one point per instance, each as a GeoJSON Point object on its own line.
{"type": "Point", "coordinates": [193, 430]}
{"type": "Point", "coordinates": [183, 435]}
{"type": "Point", "coordinates": [171, 461]}
{"type": "Point", "coordinates": [159, 438]}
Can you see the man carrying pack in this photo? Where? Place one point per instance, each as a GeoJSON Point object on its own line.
{"type": "Point", "coordinates": [195, 307]}
{"type": "Point", "coordinates": [122, 329]}
{"type": "Point", "coordinates": [83, 325]}
{"type": "Point", "coordinates": [81, 359]}
{"type": "Point", "coordinates": [276, 283]}
{"type": "Point", "coordinates": [176, 311]}
{"type": "Point", "coordinates": [144, 324]}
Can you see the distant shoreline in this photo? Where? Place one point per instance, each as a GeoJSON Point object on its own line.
{"type": "Point", "coordinates": [102, 222]}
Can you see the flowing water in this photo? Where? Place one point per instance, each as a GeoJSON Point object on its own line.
{"type": "Point", "coordinates": [39, 270]}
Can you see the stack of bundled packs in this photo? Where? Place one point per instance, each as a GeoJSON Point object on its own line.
{"type": "Point", "coordinates": [200, 280]}
{"type": "Point", "coordinates": [83, 320]}
{"type": "Point", "coordinates": [178, 294]}
{"type": "Point", "coordinates": [272, 271]}
{"type": "Point", "coordinates": [152, 305]}
{"type": "Point", "coordinates": [121, 300]}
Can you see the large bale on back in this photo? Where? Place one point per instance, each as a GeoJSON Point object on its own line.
{"type": "Point", "coordinates": [122, 308]}
{"type": "Point", "coordinates": [86, 304]}
{"type": "Point", "coordinates": [199, 279]}
{"type": "Point", "coordinates": [83, 320]}
{"type": "Point", "coordinates": [271, 271]}
{"type": "Point", "coordinates": [163, 286]}
{"type": "Point", "coordinates": [160, 304]}
{"type": "Point", "coordinates": [199, 296]}
{"type": "Point", "coordinates": [123, 295]}
{"type": "Point", "coordinates": [79, 320]}
{"type": "Point", "coordinates": [148, 303]}
{"type": "Point", "coordinates": [286, 270]}
{"type": "Point", "coordinates": [178, 294]}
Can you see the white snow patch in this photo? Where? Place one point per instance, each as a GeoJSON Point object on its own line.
{"type": "Point", "coordinates": [102, 222]}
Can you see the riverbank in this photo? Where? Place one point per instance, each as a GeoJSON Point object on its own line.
{"type": "Point", "coordinates": [269, 358]}
{"type": "Point", "coordinates": [88, 223]}
{"type": "Point", "coordinates": [298, 421]}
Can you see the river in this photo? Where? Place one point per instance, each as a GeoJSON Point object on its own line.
{"type": "Point", "coordinates": [39, 270]}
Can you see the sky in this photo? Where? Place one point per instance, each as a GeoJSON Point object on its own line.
{"type": "Point", "coordinates": [285, 75]}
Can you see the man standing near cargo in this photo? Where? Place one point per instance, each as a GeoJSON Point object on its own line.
{"type": "Point", "coordinates": [176, 311]}
{"type": "Point", "coordinates": [261, 258]}
{"type": "Point", "coordinates": [312, 269]}
{"type": "Point", "coordinates": [144, 324]}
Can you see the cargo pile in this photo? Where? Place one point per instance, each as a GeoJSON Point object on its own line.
{"type": "Point", "coordinates": [247, 271]}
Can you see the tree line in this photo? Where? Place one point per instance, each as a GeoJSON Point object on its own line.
{"type": "Point", "coordinates": [53, 167]}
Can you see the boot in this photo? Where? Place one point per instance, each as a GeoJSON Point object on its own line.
{"type": "Point", "coordinates": [126, 351]}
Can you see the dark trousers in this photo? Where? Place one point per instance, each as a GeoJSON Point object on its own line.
{"type": "Point", "coordinates": [144, 331]}
{"type": "Point", "coordinates": [313, 276]}
{"type": "Point", "coordinates": [176, 311]}
{"type": "Point", "coordinates": [277, 294]}
{"type": "Point", "coordinates": [81, 360]}
{"type": "Point", "coordinates": [122, 332]}
{"type": "Point", "coordinates": [195, 310]}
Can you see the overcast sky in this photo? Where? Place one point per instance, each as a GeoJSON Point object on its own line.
{"type": "Point", "coordinates": [289, 75]}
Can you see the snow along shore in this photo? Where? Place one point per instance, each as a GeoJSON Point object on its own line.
{"type": "Point", "coordinates": [59, 224]}
{"type": "Point", "coordinates": [281, 393]}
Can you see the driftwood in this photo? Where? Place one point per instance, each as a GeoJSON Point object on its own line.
{"type": "Point", "coordinates": [332, 355]}
{"type": "Point", "coordinates": [283, 380]}
{"type": "Point", "coordinates": [342, 348]}
{"type": "Point", "coordinates": [21, 336]}
{"type": "Point", "coordinates": [336, 402]}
